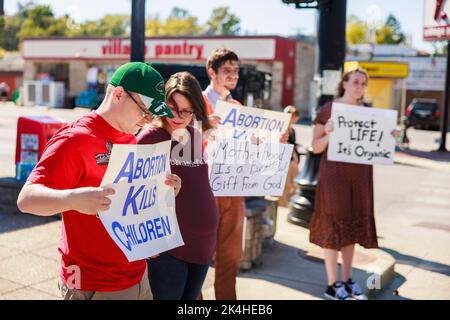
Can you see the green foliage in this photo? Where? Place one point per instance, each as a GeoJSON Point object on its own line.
{"type": "Point", "coordinates": [222, 22]}
{"type": "Point", "coordinates": [154, 26]}
{"type": "Point", "coordinates": [9, 28]}
{"type": "Point", "coordinates": [109, 26]}
{"type": "Point", "coordinates": [390, 32]}
{"type": "Point", "coordinates": [35, 20]}
{"type": "Point", "coordinates": [39, 22]}
{"type": "Point", "coordinates": [179, 22]}
{"type": "Point", "coordinates": [357, 31]}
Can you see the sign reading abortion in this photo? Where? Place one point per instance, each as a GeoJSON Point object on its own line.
{"type": "Point", "coordinates": [141, 219]}
{"type": "Point", "coordinates": [242, 168]}
{"type": "Point", "coordinates": [240, 122]}
{"type": "Point", "coordinates": [362, 135]}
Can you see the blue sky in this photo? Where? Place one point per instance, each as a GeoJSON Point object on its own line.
{"type": "Point", "coordinates": [257, 16]}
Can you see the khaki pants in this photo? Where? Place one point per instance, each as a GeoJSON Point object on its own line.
{"type": "Point", "coordinates": [140, 291]}
{"type": "Point", "coordinates": [229, 246]}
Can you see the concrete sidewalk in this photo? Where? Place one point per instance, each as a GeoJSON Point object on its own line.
{"type": "Point", "coordinates": [29, 263]}
{"type": "Point", "coordinates": [292, 268]}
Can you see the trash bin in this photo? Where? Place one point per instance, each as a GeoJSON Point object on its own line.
{"type": "Point", "coordinates": [33, 132]}
{"type": "Point", "coordinates": [253, 232]}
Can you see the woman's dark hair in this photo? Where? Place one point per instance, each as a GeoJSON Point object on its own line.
{"type": "Point", "coordinates": [187, 85]}
{"type": "Point", "coordinates": [346, 77]}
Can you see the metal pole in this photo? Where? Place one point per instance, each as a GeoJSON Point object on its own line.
{"type": "Point", "coordinates": [137, 30]}
{"type": "Point", "coordinates": [444, 118]}
{"type": "Point", "coordinates": [331, 45]}
{"type": "Point", "coordinates": [331, 38]}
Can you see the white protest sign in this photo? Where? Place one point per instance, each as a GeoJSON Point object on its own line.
{"type": "Point", "coordinates": [362, 135]}
{"type": "Point", "coordinates": [241, 168]}
{"type": "Point", "coordinates": [141, 219]}
{"type": "Point", "coordinates": [240, 122]}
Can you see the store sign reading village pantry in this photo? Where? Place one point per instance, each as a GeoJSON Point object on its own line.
{"type": "Point", "coordinates": [181, 49]}
{"type": "Point", "coordinates": [191, 49]}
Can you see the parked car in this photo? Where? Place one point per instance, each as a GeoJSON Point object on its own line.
{"type": "Point", "coordinates": [423, 114]}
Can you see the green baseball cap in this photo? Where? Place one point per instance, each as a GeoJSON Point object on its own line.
{"type": "Point", "coordinates": [141, 78]}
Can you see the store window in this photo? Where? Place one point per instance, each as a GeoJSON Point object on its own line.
{"type": "Point", "coordinates": [99, 75]}
{"type": "Point", "coordinates": [53, 72]}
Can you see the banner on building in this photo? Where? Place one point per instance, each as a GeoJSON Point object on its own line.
{"type": "Point", "coordinates": [141, 219]}
{"type": "Point", "coordinates": [362, 135]}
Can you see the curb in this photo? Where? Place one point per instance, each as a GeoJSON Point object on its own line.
{"type": "Point", "coordinates": [409, 160]}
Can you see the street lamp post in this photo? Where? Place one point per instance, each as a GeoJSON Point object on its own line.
{"type": "Point", "coordinates": [137, 30]}
{"type": "Point", "coordinates": [444, 118]}
{"type": "Point", "coordinates": [331, 45]}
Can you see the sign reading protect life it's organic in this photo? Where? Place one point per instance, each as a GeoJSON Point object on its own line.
{"type": "Point", "coordinates": [362, 135]}
{"type": "Point", "coordinates": [242, 168]}
{"type": "Point", "coordinates": [241, 122]}
{"type": "Point", "coordinates": [141, 219]}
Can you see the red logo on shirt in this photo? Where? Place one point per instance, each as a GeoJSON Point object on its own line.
{"type": "Point", "coordinates": [103, 158]}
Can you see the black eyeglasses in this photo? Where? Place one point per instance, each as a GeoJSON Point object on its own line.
{"type": "Point", "coordinates": [144, 110]}
{"type": "Point", "coordinates": [183, 114]}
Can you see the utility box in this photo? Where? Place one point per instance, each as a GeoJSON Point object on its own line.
{"type": "Point", "coordinates": [252, 232]}
{"type": "Point", "coordinates": [44, 93]}
{"type": "Point", "coordinates": [33, 133]}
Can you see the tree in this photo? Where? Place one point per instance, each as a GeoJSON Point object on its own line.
{"type": "Point", "coordinates": [90, 28]}
{"type": "Point", "coordinates": [390, 32]}
{"type": "Point", "coordinates": [180, 22]}
{"type": "Point", "coordinates": [357, 31]}
{"type": "Point", "coordinates": [116, 25]}
{"type": "Point", "coordinates": [113, 25]}
{"type": "Point", "coordinates": [9, 28]}
{"type": "Point", "coordinates": [222, 22]}
{"type": "Point", "coordinates": [153, 26]}
{"type": "Point", "coordinates": [24, 9]}
{"type": "Point", "coordinates": [40, 21]}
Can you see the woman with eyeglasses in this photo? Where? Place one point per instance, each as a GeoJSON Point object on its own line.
{"type": "Point", "coordinates": [179, 273]}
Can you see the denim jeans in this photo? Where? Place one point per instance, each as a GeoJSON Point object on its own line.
{"type": "Point", "coordinates": [174, 279]}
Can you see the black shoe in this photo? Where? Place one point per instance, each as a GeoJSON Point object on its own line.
{"type": "Point", "coordinates": [337, 292]}
{"type": "Point", "coordinates": [354, 290]}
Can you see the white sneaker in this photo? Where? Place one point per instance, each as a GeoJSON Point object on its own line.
{"type": "Point", "coordinates": [337, 292]}
{"type": "Point", "coordinates": [354, 290]}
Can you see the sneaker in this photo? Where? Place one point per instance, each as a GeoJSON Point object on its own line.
{"type": "Point", "coordinates": [337, 292]}
{"type": "Point", "coordinates": [354, 290]}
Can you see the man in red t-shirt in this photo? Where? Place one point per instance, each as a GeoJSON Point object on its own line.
{"type": "Point", "coordinates": [67, 179]}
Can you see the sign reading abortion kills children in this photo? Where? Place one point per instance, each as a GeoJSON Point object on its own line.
{"type": "Point", "coordinates": [362, 135]}
{"type": "Point", "coordinates": [242, 168]}
{"type": "Point", "coordinates": [141, 219]}
{"type": "Point", "coordinates": [240, 122]}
